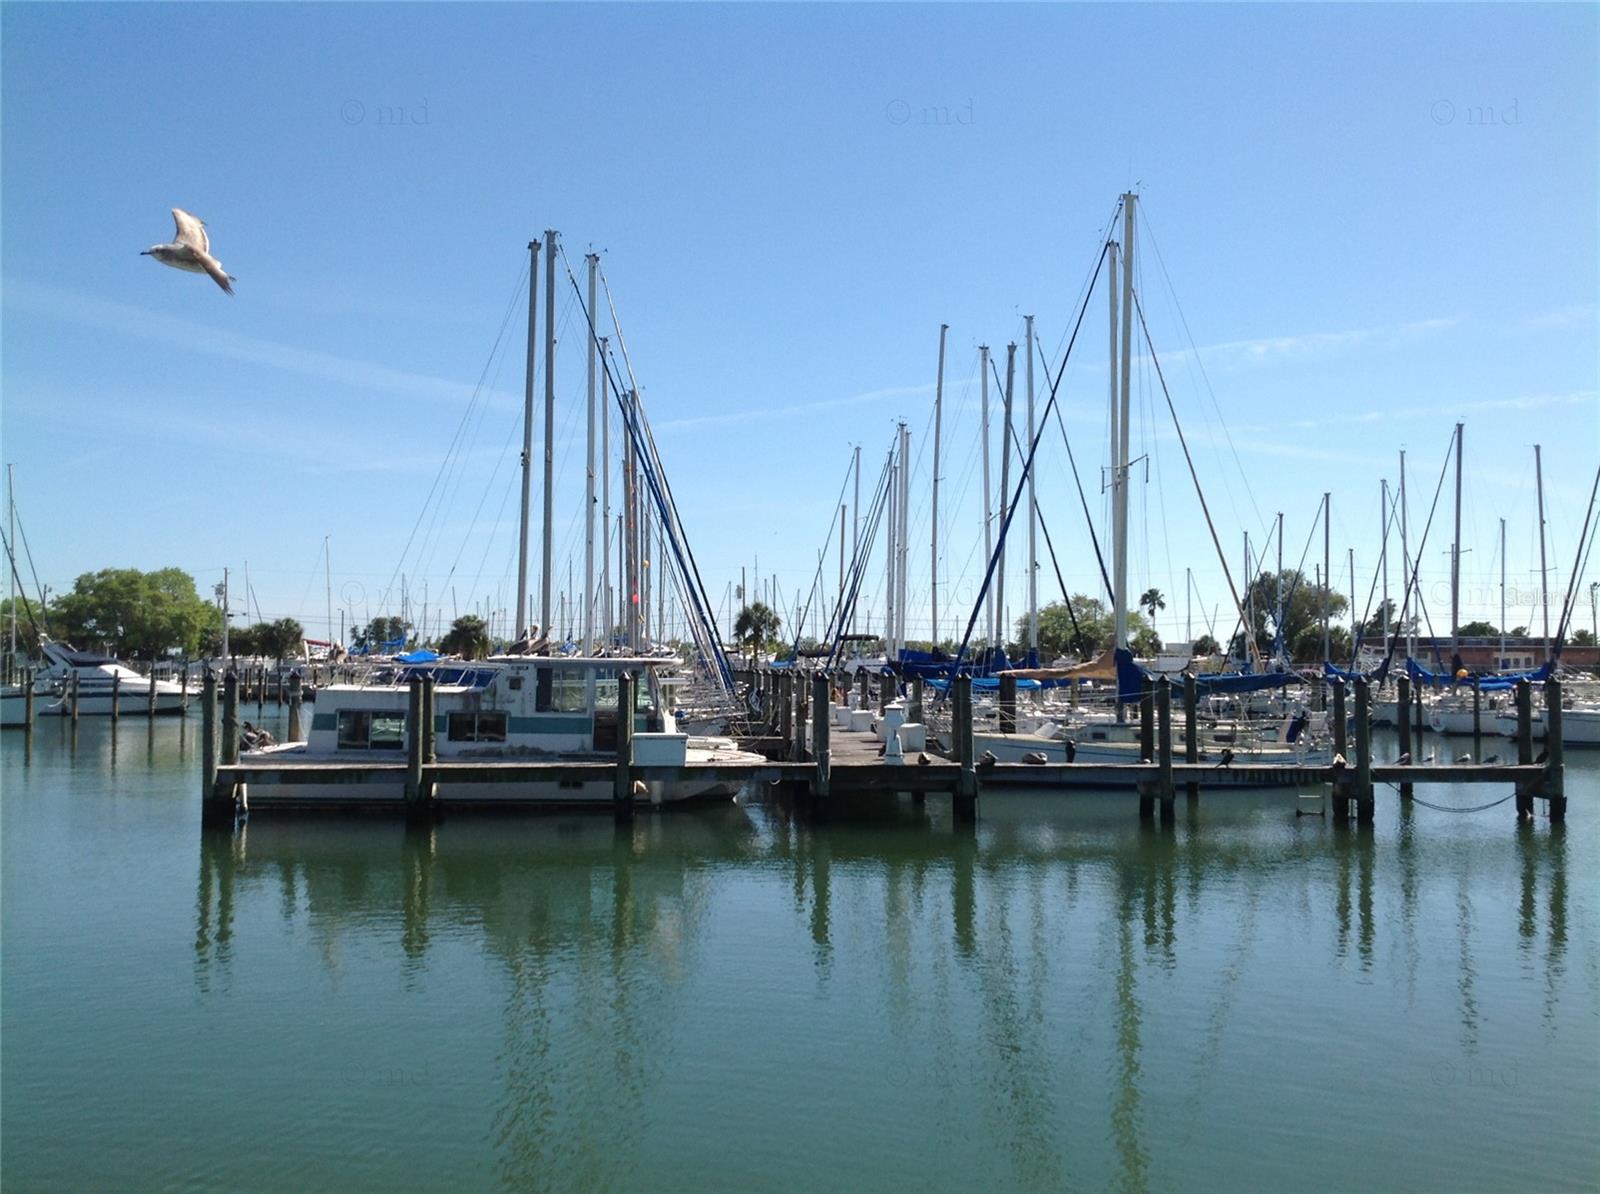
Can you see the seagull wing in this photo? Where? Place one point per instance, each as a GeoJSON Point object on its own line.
{"type": "Point", "coordinates": [191, 230]}
{"type": "Point", "coordinates": [214, 267]}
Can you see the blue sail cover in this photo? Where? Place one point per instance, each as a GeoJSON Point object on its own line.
{"type": "Point", "coordinates": [1131, 678]}
{"type": "Point", "coordinates": [420, 655]}
{"type": "Point", "coordinates": [1376, 676]}
{"type": "Point", "coordinates": [1487, 681]}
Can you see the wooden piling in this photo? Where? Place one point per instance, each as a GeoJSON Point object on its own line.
{"type": "Point", "coordinates": [1477, 718]}
{"type": "Point", "coordinates": [914, 711]}
{"type": "Point", "coordinates": [966, 797]}
{"type": "Point", "coordinates": [1165, 791]}
{"type": "Point", "coordinates": [1524, 698]}
{"type": "Point", "coordinates": [277, 685]}
{"type": "Point", "coordinates": [1402, 705]}
{"type": "Point", "coordinates": [1008, 704]}
{"type": "Point", "coordinates": [1341, 723]}
{"type": "Point", "coordinates": [802, 689]}
{"type": "Point", "coordinates": [294, 707]}
{"type": "Point", "coordinates": [821, 750]}
{"type": "Point", "coordinates": [861, 687]}
{"type": "Point", "coordinates": [1191, 737]}
{"type": "Point", "coordinates": [27, 698]}
{"type": "Point", "coordinates": [886, 686]}
{"type": "Point", "coordinates": [414, 742]}
{"type": "Point", "coordinates": [622, 783]}
{"type": "Point", "coordinates": [1555, 788]}
{"type": "Point", "coordinates": [150, 692]}
{"type": "Point", "coordinates": [1364, 794]}
{"type": "Point", "coordinates": [211, 804]}
{"type": "Point", "coordinates": [116, 698]}
{"type": "Point", "coordinates": [786, 705]}
{"type": "Point", "coordinates": [261, 689]}
{"type": "Point", "coordinates": [72, 697]}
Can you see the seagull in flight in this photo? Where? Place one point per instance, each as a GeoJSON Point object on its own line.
{"type": "Point", "coordinates": [191, 250]}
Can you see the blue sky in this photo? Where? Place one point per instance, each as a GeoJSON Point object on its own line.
{"type": "Point", "coordinates": [1372, 221]}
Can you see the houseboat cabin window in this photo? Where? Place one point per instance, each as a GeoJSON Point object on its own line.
{"type": "Point", "coordinates": [605, 691]}
{"type": "Point", "coordinates": [561, 690]}
{"type": "Point", "coordinates": [364, 729]}
{"type": "Point", "coordinates": [477, 727]}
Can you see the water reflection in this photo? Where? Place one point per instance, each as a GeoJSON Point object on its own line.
{"type": "Point", "coordinates": [1021, 965]}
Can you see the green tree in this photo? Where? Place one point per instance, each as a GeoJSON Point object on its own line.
{"type": "Point", "coordinates": [756, 625]}
{"type": "Point", "coordinates": [1206, 645]}
{"type": "Point", "coordinates": [1304, 604]}
{"type": "Point", "coordinates": [467, 637]}
{"type": "Point", "coordinates": [1582, 638]}
{"type": "Point", "coordinates": [1152, 602]}
{"type": "Point", "coordinates": [1479, 629]}
{"type": "Point", "coordinates": [1094, 632]}
{"type": "Point", "coordinates": [30, 620]}
{"type": "Point", "coordinates": [282, 638]}
{"type": "Point", "coordinates": [380, 631]}
{"type": "Point", "coordinates": [247, 640]}
{"type": "Point", "coordinates": [133, 613]}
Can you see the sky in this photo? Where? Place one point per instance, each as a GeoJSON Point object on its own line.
{"type": "Point", "coordinates": [1359, 225]}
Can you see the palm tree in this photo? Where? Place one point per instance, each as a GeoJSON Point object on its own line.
{"type": "Point", "coordinates": [468, 637]}
{"type": "Point", "coordinates": [756, 624]}
{"type": "Point", "coordinates": [1152, 601]}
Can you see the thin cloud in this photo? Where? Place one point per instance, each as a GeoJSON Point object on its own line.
{"type": "Point", "coordinates": [771, 412]}
{"type": "Point", "coordinates": [124, 319]}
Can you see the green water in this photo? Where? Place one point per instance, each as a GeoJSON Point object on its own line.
{"type": "Point", "coordinates": [732, 999]}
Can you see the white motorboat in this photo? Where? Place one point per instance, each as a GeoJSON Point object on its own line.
{"type": "Point", "coordinates": [101, 681]}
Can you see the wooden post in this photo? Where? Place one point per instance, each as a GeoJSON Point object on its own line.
{"type": "Point", "coordinates": [27, 698]}
{"type": "Point", "coordinates": [72, 696]}
{"type": "Point", "coordinates": [622, 784]}
{"type": "Point", "coordinates": [261, 689]}
{"type": "Point", "coordinates": [915, 713]}
{"type": "Point", "coordinates": [430, 731]}
{"type": "Point", "coordinates": [1477, 720]}
{"type": "Point", "coordinates": [414, 742]}
{"type": "Point", "coordinates": [1341, 723]}
{"type": "Point", "coordinates": [801, 685]}
{"type": "Point", "coordinates": [1008, 704]}
{"type": "Point", "coordinates": [821, 751]}
{"type": "Point", "coordinates": [1524, 802]}
{"type": "Point", "coordinates": [150, 695]}
{"type": "Point", "coordinates": [886, 686]}
{"type": "Point", "coordinates": [1402, 705]}
{"type": "Point", "coordinates": [861, 687]}
{"type": "Point", "coordinates": [294, 707]}
{"type": "Point", "coordinates": [786, 705]}
{"type": "Point", "coordinates": [966, 797]}
{"type": "Point", "coordinates": [1164, 789]}
{"type": "Point", "coordinates": [277, 677]}
{"type": "Point", "coordinates": [208, 738]}
{"type": "Point", "coordinates": [230, 717]}
{"type": "Point", "coordinates": [1191, 736]}
{"type": "Point", "coordinates": [116, 698]}
{"type": "Point", "coordinates": [1147, 748]}
{"type": "Point", "coordinates": [1555, 782]}
{"type": "Point", "coordinates": [1417, 724]}
{"type": "Point", "coordinates": [1364, 801]}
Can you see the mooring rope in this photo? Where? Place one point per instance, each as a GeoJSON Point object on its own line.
{"type": "Point", "coordinates": [1445, 808]}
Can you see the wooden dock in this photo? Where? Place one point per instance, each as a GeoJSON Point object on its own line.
{"type": "Point", "coordinates": [830, 765]}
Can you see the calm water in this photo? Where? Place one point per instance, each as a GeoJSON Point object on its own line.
{"type": "Point", "coordinates": [732, 999]}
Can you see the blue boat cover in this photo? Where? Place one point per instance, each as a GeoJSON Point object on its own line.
{"type": "Point", "coordinates": [1487, 681]}
{"type": "Point", "coordinates": [1131, 678]}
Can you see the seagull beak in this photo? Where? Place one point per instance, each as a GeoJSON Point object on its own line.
{"type": "Point", "coordinates": [144, 252]}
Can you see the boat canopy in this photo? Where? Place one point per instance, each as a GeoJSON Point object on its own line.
{"type": "Point", "coordinates": [1486, 681]}
{"type": "Point", "coordinates": [1131, 677]}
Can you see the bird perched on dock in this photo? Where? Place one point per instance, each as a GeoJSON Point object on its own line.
{"type": "Point", "coordinates": [1429, 757]}
{"type": "Point", "coordinates": [1543, 755]}
{"type": "Point", "coordinates": [1227, 757]}
{"type": "Point", "coordinates": [987, 761]}
{"type": "Point", "coordinates": [1036, 757]}
{"type": "Point", "coordinates": [1072, 750]}
{"type": "Point", "coordinates": [1467, 758]}
{"type": "Point", "coordinates": [1492, 759]}
{"type": "Point", "coordinates": [924, 760]}
{"type": "Point", "coordinates": [191, 251]}
{"type": "Point", "coordinates": [1404, 760]}
{"type": "Point", "coordinates": [1338, 763]}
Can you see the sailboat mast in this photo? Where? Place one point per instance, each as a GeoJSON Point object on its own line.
{"type": "Point", "coordinates": [1278, 616]}
{"type": "Point", "coordinates": [606, 622]}
{"type": "Point", "coordinates": [1455, 560]}
{"type": "Point", "coordinates": [1120, 493]}
{"type": "Point", "coordinates": [1405, 559]}
{"type": "Point", "coordinates": [1033, 513]}
{"type": "Point", "coordinates": [1544, 575]}
{"type": "Point", "coordinates": [549, 426]}
{"type": "Point", "coordinates": [527, 439]}
{"type": "Point", "coordinates": [903, 539]}
{"type": "Point", "coordinates": [588, 504]}
{"type": "Point", "coordinates": [1111, 297]}
{"type": "Point", "coordinates": [855, 526]}
{"type": "Point", "coordinates": [327, 577]}
{"type": "Point", "coordinates": [1502, 592]}
{"type": "Point", "coordinates": [890, 550]}
{"type": "Point", "coordinates": [988, 494]}
{"type": "Point", "coordinates": [1002, 627]}
{"type": "Point", "coordinates": [11, 572]}
{"type": "Point", "coordinates": [938, 439]}
{"type": "Point", "coordinates": [1327, 567]}
{"type": "Point", "coordinates": [1383, 550]}
{"type": "Point", "coordinates": [1249, 596]}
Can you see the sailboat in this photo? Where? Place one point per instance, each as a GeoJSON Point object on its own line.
{"type": "Point", "coordinates": [530, 705]}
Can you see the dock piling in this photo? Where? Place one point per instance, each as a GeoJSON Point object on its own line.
{"type": "Point", "coordinates": [1165, 791]}
{"type": "Point", "coordinates": [294, 707]}
{"type": "Point", "coordinates": [1555, 788]}
{"type": "Point", "coordinates": [1364, 796]}
{"type": "Point", "coordinates": [27, 698]}
{"type": "Point", "coordinates": [72, 698]}
{"type": "Point", "coordinates": [208, 739]}
{"type": "Point", "coordinates": [1191, 739]}
{"type": "Point", "coordinates": [966, 796]}
{"type": "Point", "coordinates": [622, 784]}
{"type": "Point", "coordinates": [150, 692]}
{"type": "Point", "coordinates": [414, 735]}
{"type": "Point", "coordinates": [1402, 707]}
{"type": "Point", "coordinates": [1524, 697]}
{"type": "Point", "coordinates": [1147, 747]}
{"type": "Point", "coordinates": [1008, 704]}
{"type": "Point", "coordinates": [821, 751]}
